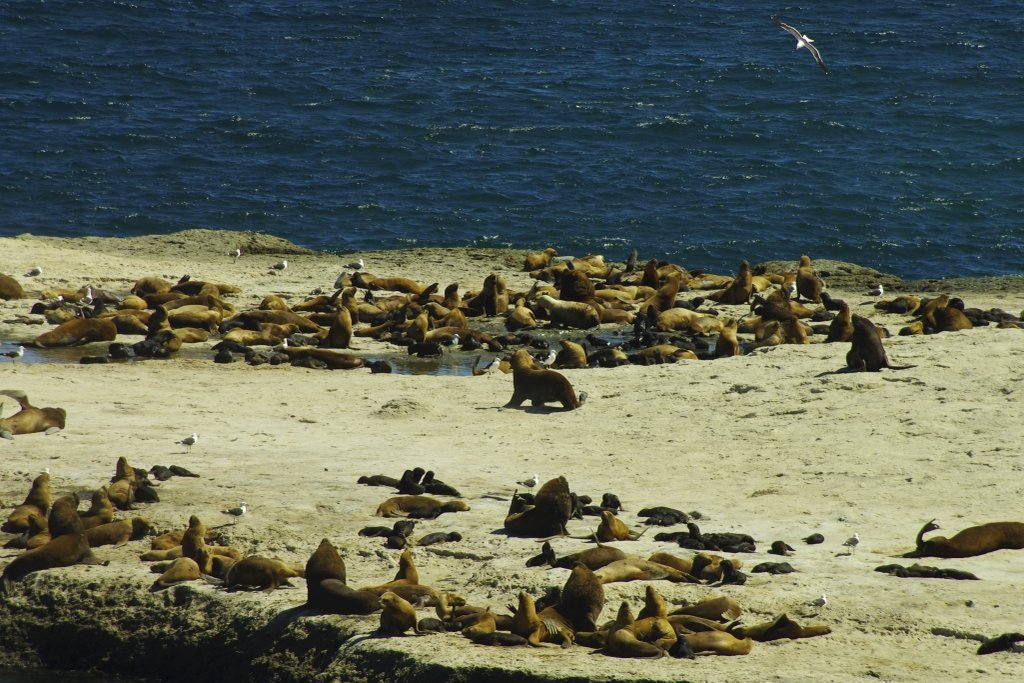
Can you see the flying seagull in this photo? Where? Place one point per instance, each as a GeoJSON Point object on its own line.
{"type": "Point", "coordinates": [802, 41]}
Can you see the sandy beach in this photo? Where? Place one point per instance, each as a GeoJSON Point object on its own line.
{"type": "Point", "coordinates": [775, 444]}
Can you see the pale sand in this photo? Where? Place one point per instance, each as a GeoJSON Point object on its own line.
{"type": "Point", "coordinates": [770, 444]}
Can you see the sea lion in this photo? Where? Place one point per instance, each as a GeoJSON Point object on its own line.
{"type": "Point", "coordinates": [418, 507]}
{"type": "Point", "coordinates": [614, 529]}
{"type": "Point", "coordinates": [77, 331]}
{"type": "Point", "coordinates": [638, 569]}
{"type": "Point", "coordinates": [972, 541]}
{"type": "Point", "coordinates": [484, 625]}
{"type": "Point", "coordinates": [780, 627]}
{"type": "Point", "coordinates": [720, 608]}
{"type": "Point", "coordinates": [593, 558]}
{"type": "Point", "coordinates": [193, 543]}
{"type": "Point", "coordinates": [547, 517]}
{"type": "Point", "coordinates": [181, 569]}
{"type": "Point", "coordinates": [652, 624]}
{"type": "Point", "coordinates": [119, 532]}
{"type": "Point", "coordinates": [261, 572]}
{"type": "Point", "coordinates": [37, 502]}
{"type": "Point", "coordinates": [326, 588]}
{"type": "Point", "coordinates": [719, 643]}
{"type": "Point", "coordinates": [36, 535]}
{"type": "Point", "coordinates": [808, 285]}
{"type": "Point", "coordinates": [739, 290]}
{"type": "Point", "coordinates": [66, 547]}
{"type": "Point", "coordinates": [397, 615]}
{"type": "Point", "coordinates": [31, 420]}
{"type": "Point", "coordinates": [841, 327]}
{"type": "Point", "coordinates": [528, 624]}
{"type": "Point", "coordinates": [867, 352]}
{"type": "Point", "coordinates": [10, 288]}
{"type": "Point", "coordinates": [538, 385]}
{"type": "Point", "coordinates": [340, 333]}
{"type": "Point", "coordinates": [335, 360]}
{"type": "Point", "coordinates": [728, 344]}
{"type": "Point", "coordinates": [582, 599]}
{"type": "Point", "coordinates": [623, 642]}
{"type": "Point", "coordinates": [574, 314]}
{"type": "Point", "coordinates": [536, 261]}
{"type": "Point", "coordinates": [572, 356]}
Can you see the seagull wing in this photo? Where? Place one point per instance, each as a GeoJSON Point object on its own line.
{"type": "Point", "coordinates": [817, 57]}
{"type": "Point", "coordinates": [788, 29]}
{"type": "Point", "coordinates": [800, 41]}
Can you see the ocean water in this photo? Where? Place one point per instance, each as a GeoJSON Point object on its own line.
{"type": "Point", "coordinates": [692, 130]}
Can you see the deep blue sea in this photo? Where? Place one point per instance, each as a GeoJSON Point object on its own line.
{"type": "Point", "coordinates": [691, 130]}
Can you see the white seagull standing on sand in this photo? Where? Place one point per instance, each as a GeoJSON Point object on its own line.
{"type": "Point", "coordinates": [33, 271]}
{"type": "Point", "coordinates": [529, 483]}
{"type": "Point", "coordinates": [280, 265]}
{"type": "Point", "coordinates": [236, 253]}
{"type": "Point", "coordinates": [802, 41]}
{"type": "Point", "coordinates": [877, 291]}
{"type": "Point", "coordinates": [356, 265]}
{"type": "Point", "coordinates": [819, 602]}
{"type": "Point", "coordinates": [238, 511]}
{"type": "Point", "coordinates": [86, 299]}
{"type": "Point", "coordinates": [852, 542]}
{"type": "Point", "coordinates": [189, 441]}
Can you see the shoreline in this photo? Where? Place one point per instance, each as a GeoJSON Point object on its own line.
{"type": "Point", "coordinates": [773, 444]}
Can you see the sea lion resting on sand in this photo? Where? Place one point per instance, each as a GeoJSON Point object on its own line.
{"type": "Point", "coordinates": [31, 420]}
{"type": "Point", "coordinates": [419, 507]}
{"type": "Point", "coordinates": [972, 541]}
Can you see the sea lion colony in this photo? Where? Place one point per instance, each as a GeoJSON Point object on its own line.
{"type": "Point", "coordinates": [661, 313]}
{"type": "Point", "coordinates": [566, 615]}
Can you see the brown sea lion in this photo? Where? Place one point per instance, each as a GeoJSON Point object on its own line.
{"type": "Point", "coordinates": [612, 528]}
{"type": "Point", "coordinates": [36, 535]}
{"type": "Point", "coordinates": [483, 625]}
{"type": "Point", "coordinates": [119, 532]}
{"type": "Point", "coordinates": [575, 314]}
{"type": "Point", "coordinates": [77, 331]}
{"type": "Point", "coordinates": [10, 288]}
{"type": "Point", "coordinates": [972, 541]}
{"type": "Point", "coordinates": [841, 327]}
{"type": "Point", "coordinates": [335, 360]}
{"type": "Point", "coordinates": [547, 517]}
{"type": "Point", "coordinates": [623, 642]}
{"type": "Point", "coordinates": [867, 352]}
{"type": "Point", "coordinates": [326, 588]}
{"type": "Point", "coordinates": [396, 284]}
{"type": "Point", "coordinates": [719, 643]}
{"type": "Point", "coordinates": [594, 558]}
{"type": "Point", "coordinates": [193, 544]}
{"type": "Point", "coordinates": [397, 615]}
{"type": "Point", "coordinates": [719, 608]}
{"type": "Point", "coordinates": [181, 569]}
{"type": "Point", "coordinates": [527, 623]}
{"type": "Point", "coordinates": [582, 599]}
{"type": "Point", "coordinates": [739, 291]}
{"type": "Point", "coordinates": [37, 502]}
{"type": "Point", "coordinates": [31, 420]}
{"type": "Point", "coordinates": [520, 318]}
{"type": "Point", "coordinates": [652, 624]}
{"type": "Point", "coordinates": [66, 547]}
{"type": "Point", "coordinates": [536, 261]}
{"type": "Point", "coordinates": [638, 569]}
{"type": "Point", "coordinates": [340, 333]}
{"type": "Point", "coordinates": [807, 284]}
{"type": "Point", "coordinates": [419, 507]}
{"type": "Point", "coordinates": [572, 356]}
{"type": "Point", "coordinates": [538, 385]}
{"type": "Point", "coordinates": [727, 344]}
{"type": "Point", "coordinates": [778, 628]}
{"type": "Point", "coordinates": [260, 572]}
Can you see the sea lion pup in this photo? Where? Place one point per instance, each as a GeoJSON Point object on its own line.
{"type": "Point", "coordinates": [972, 541]}
{"type": "Point", "coordinates": [520, 317]}
{"type": "Point", "coordinates": [612, 528]}
{"type": "Point", "coordinates": [867, 352]}
{"type": "Point", "coordinates": [378, 480]}
{"type": "Point", "coordinates": [193, 544]}
{"type": "Point", "coordinates": [778, 628]}
{"type": "Point", "coordinates": [10, 288]}
{"type": "Point", "coordinates": [572, 356]}
{"type": "Point", "coordinates": [418, 507]}
{"type": "Point", "coordinates": [260, 572]}
{"type": "Point", "coordinates": [622, 640]}
{"type": "Point", "coordinates": [547, 517]}
{"type": "Point", "coordinates": [719, 643]}
{"type": "Point", "coordinates": [808, 285]}
{"type": "Point", "coordinates": [340, 333]}
{"type": "Point", "coordinates": [31, 420]}
{"type": "Point", "coordinates": [536, 261]}
{"type": "Point", "coordinates": [77, 331]}
{"type": "Point", "coordinates": [335, 360]}
{"type": "Point", "coordinates": [539, 385]}
{"type": "Point", "coordinates": [739, 291]}
{"type": "Point", "coordinates": [574, 314]}
{"type": "Point", "coordinates": [727, 344]}
{"type": "Point", "coordinates": [841, 327]}
{"type": "Point", "coordinates": [181, 569]}
{"type": "Point", "coordinates": [37, 502]}
{"type": "Point", "coordinates": [119, 532]}
{"type": "Point", "coordinates": [397, 615]}
{"type": "Point", "coordinates": [66, 547]}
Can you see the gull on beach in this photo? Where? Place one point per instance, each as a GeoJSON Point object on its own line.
{"type": "Point", "coordinates": [852, 542]}
{"type": "Point", "coordinates": [529, 483]}
{"type": "Point", "coordinates": [356, 265]}
{"type": "Point", "coordinates": [16, 353]}
{"type": "Point", "coordinates": [189, 441]}
{"type": "Point", "coordinates": [802, 41]}
{"type": "Point", "coordinates": [86, 299]}
{"type": "Point", "coordinates": [819, 602]}
{"type": "Point", "coordinates": [33, 271]}
{"type": "Point", "coordinates": [238, 511]}
{"type": "Point", "coordinates": [280, 265]}
{"type": "Point", "coordinates": [877, 291]}
{"type": "Point", "coordinates": [236, 253]}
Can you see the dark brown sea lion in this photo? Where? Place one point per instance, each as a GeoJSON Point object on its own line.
{"type": "Point", "coordinates": [538, 385]}
{"type": "Point", "coordinates": [972, 541]}
{"type": "Point", "coordinates": [340, 333]}
{"type": "Point", "coordinates": [739, 291]}
{"type": "Point", "coordinates": [867, 352]}
{"type": "Point", "coordinates": [594, 558]}
{"type": "Point", "coordinates": [260, 572]}
{"type": "Point", "coordinates": [119, 532]}
{"type": "Point", "coordinates": [37, 502]}
{"type": "Point", "coordinates": [100, 511]}
{"type": "Point", "coordinates": [326, 588]}
{"type": "Point", "coordinates": [193, 544]}
{"type": "Point", "coordinates": [582, 599]}
{"type": "Point", "coordinates": [778, 628]}
{"type": "Point", "coordinates": [31, 420]}
{"type": "Point", "coordinates": [547, 517]}
{"type": "Point", "coordinates": [77, 331]}
{"type": "Point", "coordinates": [419, 507]}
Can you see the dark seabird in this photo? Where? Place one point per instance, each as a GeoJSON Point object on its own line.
{"type": "Point", "coordinates": [802, 41]}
